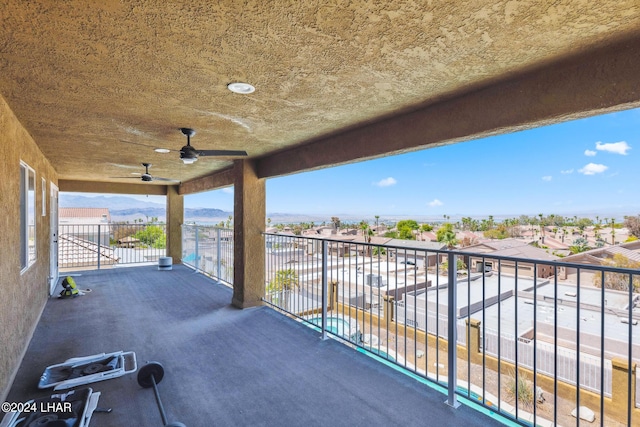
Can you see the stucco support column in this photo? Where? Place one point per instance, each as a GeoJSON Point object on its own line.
{"type": "Point", "coordinates": [248, 226]}
{"type": "Point", "coordinates": [175, 218]}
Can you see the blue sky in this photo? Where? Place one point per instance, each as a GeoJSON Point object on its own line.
{"type": "Point", "coordinates": [588, 166]}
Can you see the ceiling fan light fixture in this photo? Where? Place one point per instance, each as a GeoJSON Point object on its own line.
{"type": "Point", "coordinates": [162, 150]}
{"type": "Point", "coordinates": [188, 154]}
{"type": "Point", "coordinates": [241, 88]}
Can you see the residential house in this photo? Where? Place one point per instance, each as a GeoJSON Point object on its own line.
{"type": "Point", "coordinates": [84, 237]}
{"type": "Point", "coordinates": [419, 251]}
{"type": "Point", "coordinates": [92, 224]}
{"type": "Point", "coordinates": [601, 256]}
{"type": "Point", "coordinates": [511, 248]}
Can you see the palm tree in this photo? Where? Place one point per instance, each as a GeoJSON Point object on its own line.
{"type": "Point", "coordinates": [367, 232]}
{"type": "Point", "coordinates": [336, 222]}
{"type": "Point", "coordinates": [613, 231]}
{"type": "Point", "coordinates": [447, 236]}
{"type": "Point", "coordinates": [579, 245]}
{"type": "Point", "coordinates": [282, 285]}
{"type": "Point", "coordinates": [377, 217]}
{"type": "Point", "coordinates": [449, 239]}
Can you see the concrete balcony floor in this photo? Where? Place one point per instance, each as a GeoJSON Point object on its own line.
{"type": "Point", "coordinates": [223, 366]}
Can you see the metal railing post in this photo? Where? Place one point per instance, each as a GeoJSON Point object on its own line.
{"type": "Point", "coordinates": [99, 243]}
{"type": "Point", "coordinates": [218, 254]}
{"type": "Point", "coordinates": [452, 331]}
{"type": "Point", "coordinates": [325, 290]}
{"type": "Point", "coordinates": [197, 245]}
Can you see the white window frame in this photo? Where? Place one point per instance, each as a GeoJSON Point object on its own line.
{"type": "Point", "coordinates": [44, 197]}
{"type": "Point", "coordinates": [27, 216]}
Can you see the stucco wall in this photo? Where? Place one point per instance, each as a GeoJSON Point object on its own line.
{"type": "Point", "coordinates": [22, 296]}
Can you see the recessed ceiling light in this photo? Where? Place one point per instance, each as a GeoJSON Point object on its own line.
{"type": "Point", "coordinates": [162, 150]}
{"type": "Point", "coordinates": [242, 88]}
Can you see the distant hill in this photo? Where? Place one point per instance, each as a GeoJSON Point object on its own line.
{"type": "Point", "coordinates": [118, 215]}
{"type": "Point", "coordinates": [113, 203]}
{"type": "Point", "coordinates": [123, 208]}
{"type": "Point", "coordinates": [190, 214]}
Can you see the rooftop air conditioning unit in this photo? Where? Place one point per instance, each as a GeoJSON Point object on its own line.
{"type": "Point", "coordinates": [374, 280]}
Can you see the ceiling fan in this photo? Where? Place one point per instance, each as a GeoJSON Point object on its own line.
{"type": "Point", "coordinates": [189, 154]}
{"type": "Point", "coordinates": [146, 176]}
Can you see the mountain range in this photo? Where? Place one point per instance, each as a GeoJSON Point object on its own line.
{"type": "Point", "coordinates": [123, 208]}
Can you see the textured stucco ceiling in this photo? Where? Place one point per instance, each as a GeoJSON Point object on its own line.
{"type": "Point", "coordinates": [92, 80]}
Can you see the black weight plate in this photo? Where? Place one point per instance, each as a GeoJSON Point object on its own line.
{"type": "Point", "coordinates": [43, 420]}
{"type": "Point", "coordinates": [154, 369]}
{"type": "Point", "coordinates": [94, 368]}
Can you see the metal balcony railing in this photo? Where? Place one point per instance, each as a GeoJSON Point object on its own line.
{"type": "Point", "coordinates": [209, 249]}
{"type": "Point", "coordinates": [109, 244]}
{"type": "Point", "coordinates": [529, 340]}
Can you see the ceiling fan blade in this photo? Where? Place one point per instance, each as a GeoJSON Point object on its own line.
{"type": "Point", "coordinates": [156, 178]}
{"type": "Point", "coordinates": [222, 153]}
{"type": "Point", "coordinates": [145, 145]}
{"type": "Point", "coordinates": [125, 177]}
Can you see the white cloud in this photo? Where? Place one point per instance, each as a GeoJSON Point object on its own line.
{"type": "Point", "coordinates": [593, 168]}
{"type": "Point", "coordinates": [566, 172]}
{"type": "Point", "coordinates": [228, 190]}
{"type": "Point", "coordinates": [435, 202]}
{"type": "Point", "coordinates": [614, 147]}
{"type": "Point", "coordinates": [387, 182]}
{"type": "Point", "coordinates": [547, 178]}
{"type": "Point", "coordinates": [589, 153]}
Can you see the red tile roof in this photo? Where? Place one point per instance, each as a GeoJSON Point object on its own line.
{"type": "Point", "coordinates": [84, 213]}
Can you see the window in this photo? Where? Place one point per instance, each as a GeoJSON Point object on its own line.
{"type": "Point", "coordinates": [27, 216]}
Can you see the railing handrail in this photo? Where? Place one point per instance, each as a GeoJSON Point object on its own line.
{"type": "Point", "coordinates": [458, 252]}
{"type": "Point", "coordinates": [212, 260]}
{"type": "Point", "coordinates": [83, 244]}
